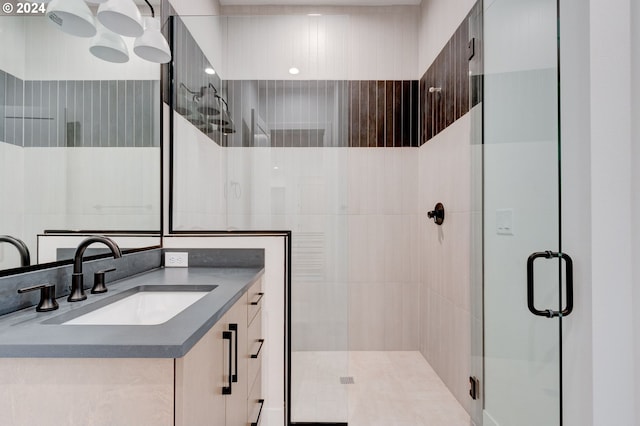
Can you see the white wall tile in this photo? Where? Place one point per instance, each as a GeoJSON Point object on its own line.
{"type": "Point", "coordinates": [445, 254]}
{"type": "Point", "coordinates": [412, 327]}
{"type": "Point", "coordinates": [13, 33]}
{"type": "Point", "coordinates": [366, 316]}
{"type": "Point", "coordinates": [393, 315]}
{"type": "Point", "coordinates": [196, 7]}
{"type": "Point", "coordinates": [380, 44]}
{"type": "Point", "coordinates": [439, 20]}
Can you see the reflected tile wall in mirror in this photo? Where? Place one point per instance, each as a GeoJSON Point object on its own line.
{"type": "Point", "coordinates": [90, 113]}
{"type": "Point", "coordinates": [112, 113]}
{"type": "Point", "coordinates": [190, 78]}
{"type": "Point", "coordinates": [12, 103]}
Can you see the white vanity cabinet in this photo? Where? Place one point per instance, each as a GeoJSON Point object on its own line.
{"type": "Point", "coordinates": [186, 391]}
{"type": "Point", "coordinates": [206, 392]}
{"type": "Point", "coordinates": [255, 343]}
{"type": "Point", "coordinates": [205, 395]}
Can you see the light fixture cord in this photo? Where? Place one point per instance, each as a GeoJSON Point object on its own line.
{"type": "Point", "coordinates": [187, 89]}
{"type": "Point", "coordinates": [225, 102]}
{"type": "Point", "coordinates": [153, 15]}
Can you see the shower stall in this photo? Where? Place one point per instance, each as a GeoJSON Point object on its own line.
{"type": "Point", "coordinates": [350, 153]}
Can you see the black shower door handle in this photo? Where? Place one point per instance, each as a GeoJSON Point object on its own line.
{"type": "Point", "coordinates": [550, 313]}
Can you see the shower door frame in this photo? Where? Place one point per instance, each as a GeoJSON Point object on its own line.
{"type": "Point", "coordinates": [478, 407]}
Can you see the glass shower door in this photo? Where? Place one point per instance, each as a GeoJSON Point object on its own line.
{"type": "Point", "coordinates": [524, 269]}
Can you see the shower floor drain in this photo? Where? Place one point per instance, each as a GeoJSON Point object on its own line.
{"type": "Point", "coordinates": [347, 380]}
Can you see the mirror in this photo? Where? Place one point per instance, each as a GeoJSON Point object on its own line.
{"type": "Point", "coordinates": [79, 138]}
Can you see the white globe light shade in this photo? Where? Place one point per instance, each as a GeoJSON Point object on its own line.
{"type": "Point", "coordinates": [72, 17]}
{"type": "Point", "coordinates": [152, 45]}
{"type": "Point", "coordinates": [109, 46]}
{"type": "Point", "coordinates": [122, 17]}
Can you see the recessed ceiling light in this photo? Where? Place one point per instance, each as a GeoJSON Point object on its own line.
{"type": "Point", "coordinates": [314, 14]}
{"type": "Point", "coordinates": [294, 71]}
{"type": "Point", "coordinates": [210, 71]}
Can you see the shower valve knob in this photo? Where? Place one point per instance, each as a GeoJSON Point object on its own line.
{"type": "Point", "coordinates": [437, 214]}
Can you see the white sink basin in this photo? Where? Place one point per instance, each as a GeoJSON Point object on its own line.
{"type": "Point", "coordinates": [144, 307]}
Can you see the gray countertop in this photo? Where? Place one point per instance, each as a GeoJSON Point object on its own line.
{"type": "Point", "coordinates": [28, 333]}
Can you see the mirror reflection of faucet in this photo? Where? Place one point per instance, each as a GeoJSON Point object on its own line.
{"type": "Point", "coordinates": [25, 259]}
{"type": "Point", "coordinates": [77, 281]}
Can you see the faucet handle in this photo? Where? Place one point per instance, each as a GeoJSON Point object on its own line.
{"type": "Point", "coordinates": [98, 281]}
{"type": "Point", "coordinates": [47, 296]}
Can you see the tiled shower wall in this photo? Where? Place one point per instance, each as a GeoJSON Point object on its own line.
{"type": "Point", "coordinates": [113, 113]}
{"type": "Point", "coordinates": [383, 114]}
{"type": "Point", "coordinates": [449, 173]}
{"type": "Point", "coordinates": [325, 113]}
{"type": "Point", "coordinates": [450, 74]}
{"type": "Point", "coordinates": [364, 199]}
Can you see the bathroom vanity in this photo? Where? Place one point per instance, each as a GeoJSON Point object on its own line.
{"type": "Point", "coordinates": [201, 366]}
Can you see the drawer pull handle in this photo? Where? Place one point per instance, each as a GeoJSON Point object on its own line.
{"type": "Point", "coordinates": [254, 356]}
{"type": "Point", "coordinates": [226, 390]}
{"type": "Point", "coordinates": [255, 302]}
{"type": "Point", "coordinates": [261, 402]}
{"type": "Point", "coordinates": [234, 328]}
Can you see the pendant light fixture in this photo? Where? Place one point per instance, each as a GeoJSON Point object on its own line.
{"type": "Point", "coordinates": [209, 104]}
{"type": "Point", "coordinates": [72, 17]}
{"type": "Point", "coordinates": [109, 46]}
{"type": "Point", "coordinates": [117, 18]}
{"type": "Point", "coordinates": [185, 101]}
{"type": "Point", "coordinates": [223, 120]}
{"type": "Point", "coordinates": [211, 107]}
{"type": "Point", "coordinates": [152, 45]}
{"type": "Point", "coordinates": [196, 120]}
{"type": "Point", "coordinates": [122, 17]}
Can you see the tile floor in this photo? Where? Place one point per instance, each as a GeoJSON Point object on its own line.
{"type": "Point", "coordinates": [390, 389]}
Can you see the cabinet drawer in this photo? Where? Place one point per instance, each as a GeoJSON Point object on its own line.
{"type": "Point", "coordinates": [255, 342]}
{"type": "Point", "coordinates": [255, 402]}
{"type": "Point", "coordinates": [255, 295]}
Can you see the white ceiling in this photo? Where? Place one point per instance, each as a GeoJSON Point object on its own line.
{"type": "Point", "coordinates": [319, 2]}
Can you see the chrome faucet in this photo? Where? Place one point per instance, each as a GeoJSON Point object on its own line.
{"type": "Point", "coordinates": [25, 260]}
{"type": "Point", "coordinates": [77, 281]}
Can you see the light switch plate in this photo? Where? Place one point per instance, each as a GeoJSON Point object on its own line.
{"type": "Point", "coordinates": [504, 222]}
{"type": "Point", "coordinates": [176, 260]}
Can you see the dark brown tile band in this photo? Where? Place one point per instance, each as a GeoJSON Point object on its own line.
{"type": "Point", "coordinates": [450, 73]}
